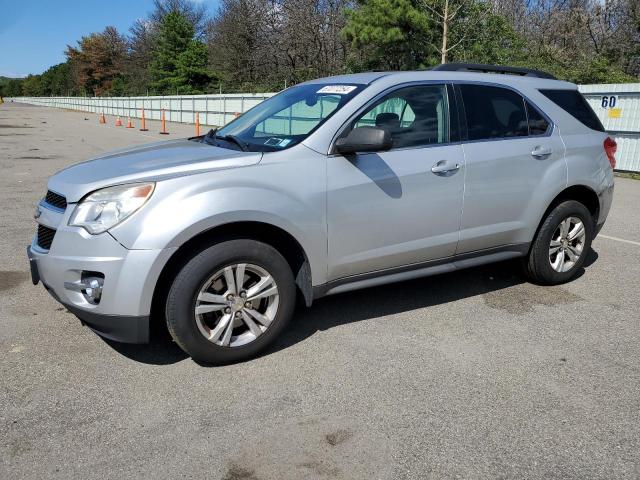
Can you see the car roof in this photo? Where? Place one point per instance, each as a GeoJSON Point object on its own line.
{"type": "Point", "coordinates": [367, 78]}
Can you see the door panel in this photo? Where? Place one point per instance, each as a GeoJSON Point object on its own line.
{"type": "Point", "coordinates": [389, 209]}
{"type": "Point", "coordinates": [402, 206]}
{"type": "Point", "coordinates": [505, 189]}
{"type": "Point", "coordinates": [514, 163]}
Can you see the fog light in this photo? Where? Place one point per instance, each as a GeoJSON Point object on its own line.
{"type": "Point", "coordinates": [90, 286]}
{"type": "Point", "coordinates": [93, 291]}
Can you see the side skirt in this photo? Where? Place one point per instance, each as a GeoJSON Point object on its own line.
{"type": "Point", "coordinates": [422, 269]}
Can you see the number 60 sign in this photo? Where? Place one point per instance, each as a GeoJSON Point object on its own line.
{"type": "Point", "coordinates": [609, 102]}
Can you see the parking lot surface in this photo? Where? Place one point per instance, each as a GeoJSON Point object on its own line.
{"type": "Point", "coordinates": [475, 374]}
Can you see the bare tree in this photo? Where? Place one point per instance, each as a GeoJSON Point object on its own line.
{"type": "Point", "coordinates": [446, 12]}
{"type": "Point", "coordinates": [271, 42]}
{"type": "Point", "coordinates": [195, 12]}
{"type": "Point", "coordinates": [141, 43]}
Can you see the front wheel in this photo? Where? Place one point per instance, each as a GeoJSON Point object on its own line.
{"type": "Point", "coordinates": [561, 245]}
{"type": "Point", "coordinates": [230, 301]}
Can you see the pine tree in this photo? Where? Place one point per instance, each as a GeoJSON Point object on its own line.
{"type": "Point", "coordinates": [390, 34]}
{"type": "Point", "coordinates": [192, 74]}
{"type": "Point", "coordinates": [174, 37]}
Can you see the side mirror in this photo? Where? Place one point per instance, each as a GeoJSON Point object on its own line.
{"type": "Point", "coordinates": [364, 139]}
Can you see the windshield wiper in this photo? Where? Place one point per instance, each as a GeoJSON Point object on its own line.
{"type": "Point", "coordinates": [211, 137]}
{"type": "Point", "coordinates": [234, 139]}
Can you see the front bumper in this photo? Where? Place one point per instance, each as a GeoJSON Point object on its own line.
{"type": "Point", "coordinates": [125, 329]}
{"type": "Point", "coordinates": [130, 276]}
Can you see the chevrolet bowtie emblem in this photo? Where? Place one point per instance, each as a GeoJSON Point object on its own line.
{"type": "Point", "coordinates": [37, 213]}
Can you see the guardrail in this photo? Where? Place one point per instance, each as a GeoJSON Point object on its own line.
{"type": "Point", "coordinates": [617, 106]}
{"type": "Point", "coordinates": [213, 110]}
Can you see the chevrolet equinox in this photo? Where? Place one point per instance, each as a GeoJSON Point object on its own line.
{"type": "Point", "coordinates": [329, 186]}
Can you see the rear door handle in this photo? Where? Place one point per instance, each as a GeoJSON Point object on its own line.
{"type": "Point", "coordinates": [541, 151]}
{"type": "Point", "coordinates": [444, 167]}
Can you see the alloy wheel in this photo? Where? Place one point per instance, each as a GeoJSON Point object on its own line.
{"type": "Point", "coordinates": [236, 305]}
{"type": "Point", "coordinates": [567, 244]}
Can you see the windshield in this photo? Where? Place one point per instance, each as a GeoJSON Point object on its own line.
{"type": "Point", "coordinates": [285, 119]}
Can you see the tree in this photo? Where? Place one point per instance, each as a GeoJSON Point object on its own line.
{"type": "Point", "coordinates": [174, 36]}
{"type": "Point", "coordinates": [478, 35]}
{"type": "Point", "coordinates": [142, 39]}
{"type": "Point", "coordinates": [98, 60]}
{"type": "Point", "coordinates": [10, 87]}
{"type": "Point", "coordinates": [390, 34]}
{"type": "Point", "coordinates": [399, 34]}
{"type": "Point", "coordinates": [235, 39]}
{"type": "Point", "coordinates": [303, 38]}
{"type": "Point", "coordinates": [57, 80]}
{"type": "Point", "coordinates": [464, 15]}
{"type": "Point", "coordinates": [194, 12]}
{"type": "Point", "coordinates": [192, 74]}
{"type": "Point", "coordinates": [262, 45]}
{"type": "Point", "coordinates": [179, 61]}
{"type": "Point", "coordinates": [32, 86]}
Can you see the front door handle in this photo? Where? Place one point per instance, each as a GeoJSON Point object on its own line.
{"type": "Point", "coordinates": [443, 167]}
{"type": "Point", "coordinates": [541, 151]}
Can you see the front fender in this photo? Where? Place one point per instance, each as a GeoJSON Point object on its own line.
{"type": "Point", "coordinates": [184, 207]}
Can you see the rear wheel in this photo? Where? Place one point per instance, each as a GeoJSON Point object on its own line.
{"type": "Point", "coordinates": [230, 301]}
{"type": "Point", "coordinates": [561, 244]}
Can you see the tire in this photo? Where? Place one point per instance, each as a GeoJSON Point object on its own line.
{"type": "Point", "coordinates": [539, 264]}
{"type": "Point", "coordinates": [199, 282]}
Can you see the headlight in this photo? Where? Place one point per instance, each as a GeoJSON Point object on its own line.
{"type": "Point", "coordinates": [103, 209]}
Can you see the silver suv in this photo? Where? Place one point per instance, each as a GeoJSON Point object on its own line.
{"type": "Point", "coordinates": [332, 185]}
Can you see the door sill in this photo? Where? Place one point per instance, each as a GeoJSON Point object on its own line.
{"type": "Point", "coordinates": [422, 269]}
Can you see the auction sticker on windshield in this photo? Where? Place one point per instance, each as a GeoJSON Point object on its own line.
{"type": "Point", "coordinates": [339, 89]}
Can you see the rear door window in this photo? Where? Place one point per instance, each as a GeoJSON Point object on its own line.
{"type": "Point", "coordinates": [572, 102]}
{"type": "Point", "coordinates": [493, 112]}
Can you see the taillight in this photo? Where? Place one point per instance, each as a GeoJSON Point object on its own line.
{"type": "Point", "coordinates": [610, 147]}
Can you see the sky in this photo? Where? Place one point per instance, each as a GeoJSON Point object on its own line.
{"type": "Point", "coordinates": [35, 33]}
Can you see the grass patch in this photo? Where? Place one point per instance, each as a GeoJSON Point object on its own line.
{"type": "Point", "coordinates": [631, 175]}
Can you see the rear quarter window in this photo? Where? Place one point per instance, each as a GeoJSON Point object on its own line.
{"type": "Point", "coordinates": [538, 125]}
{"type": "Point", "coordinates": [572, 102]}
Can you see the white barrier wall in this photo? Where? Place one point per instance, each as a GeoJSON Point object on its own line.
{"type": "Point", "coordinates": [617, 106]}
{"type": "Point", "coordinates": [213, 110]}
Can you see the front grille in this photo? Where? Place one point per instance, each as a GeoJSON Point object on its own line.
{"type": "Point", "coordinates": [56, 200]}
{"type": "Point", "coordinates": [45, 237]}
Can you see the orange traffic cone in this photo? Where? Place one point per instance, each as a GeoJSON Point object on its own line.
{"type": "Point", "coordinates": [129, 123]}
{"type": "Point", "coordinates": [197, 124]}
{"type": "Point", "coordinates": [118, 121]}
{"type": "Point", "coordinates": [164, 125]}
{"type": "Point", "coordinates": [143, 125]}
{"type": "Point", "coordinates": [102, 119]}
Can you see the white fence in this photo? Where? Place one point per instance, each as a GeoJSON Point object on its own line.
{"type": "Point", "coordinates": [617, 106]}
{"type": "Point", "coordinates": [212, 109]}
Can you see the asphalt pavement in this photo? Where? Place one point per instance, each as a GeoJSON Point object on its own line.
{"type": "Point", "coordinates": [475, 374]}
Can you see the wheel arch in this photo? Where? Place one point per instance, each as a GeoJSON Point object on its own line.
{"type": "Point", "coordinates": [580, 193]}
{"type": "Point", "coordinates": [288, 246]}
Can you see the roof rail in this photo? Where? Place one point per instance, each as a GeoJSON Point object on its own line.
{"type": "Point", "coordinates": [478, 67]}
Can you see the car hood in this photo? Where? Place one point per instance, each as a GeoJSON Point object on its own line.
{"type": "Point", "coordinates": [151, 162]}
